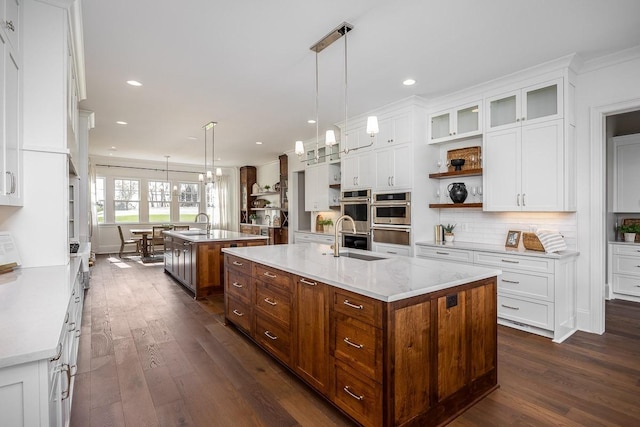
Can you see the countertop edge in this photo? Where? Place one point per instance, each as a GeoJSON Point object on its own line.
{"type": "Point", "coordinates": [483, 247]}
{"type": "Point", "coordinates": [203, 238]}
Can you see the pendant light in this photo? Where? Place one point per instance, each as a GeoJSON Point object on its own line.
{"type": "Point", "coordinates": [207, 176]}
{"type": "Point", "coordinates": [330, 136]}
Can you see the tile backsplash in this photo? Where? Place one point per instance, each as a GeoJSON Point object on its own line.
{"type": "Point", "coordinates": [492, 227]}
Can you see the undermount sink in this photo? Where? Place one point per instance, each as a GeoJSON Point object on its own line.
{"type": "Point", "coordinates": [192, 232]}
{"type": "Point", "coordinates": [363, 257]}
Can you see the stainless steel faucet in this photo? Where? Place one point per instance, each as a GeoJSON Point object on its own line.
{"type": "Point", "coordinates": [208, 220]}
{"type": "Point", "coordinates": [336, 242]}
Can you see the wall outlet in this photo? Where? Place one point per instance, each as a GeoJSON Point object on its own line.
{"type": "Point", "coordinates": [464, 227]}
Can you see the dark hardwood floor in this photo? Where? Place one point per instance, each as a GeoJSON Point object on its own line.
{"type": "Point", "coordinates": [152, 356]}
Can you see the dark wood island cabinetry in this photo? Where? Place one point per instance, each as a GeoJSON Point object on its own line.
{"type": "Point", "coordinates": [419, 360]}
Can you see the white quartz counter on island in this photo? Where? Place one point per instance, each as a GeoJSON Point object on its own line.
{"type": "Point", "coordinates": [387, 279]}
{"type": "Point", "coordinates": [198, 236]}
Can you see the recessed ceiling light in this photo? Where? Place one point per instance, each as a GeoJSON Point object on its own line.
{"type": "Point", "coordinates": [311, 121]}
{"type": "Point", "coordinates": [120, 122]}
{"type": "Point", "coordinates": [113, 148]}
{"type": "Point", "coordinates": [192, 138]}
{"type": "Point", "coordinates": [409, 82]}
{"type": "Point", "coordinates": [134, 83]}
{"type": "Point", "coordinates": [258, 142]}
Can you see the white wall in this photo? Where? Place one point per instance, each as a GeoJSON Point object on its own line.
{"type": "Point", "coordinates": [600, 87]}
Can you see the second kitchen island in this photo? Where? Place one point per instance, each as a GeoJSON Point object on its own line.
{"type": "Point", "coordinates": [390, 341]}
{"type": "Point", "coordinates": [195, 259]}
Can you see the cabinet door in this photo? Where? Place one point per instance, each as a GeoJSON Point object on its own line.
{"type": "Point", "coordinates": [503, 111]}
{"type": "Point", "coordinates": [626, 158]}
{"type": "Point", "coordinates": [441, 126]}
{"type": "Point", "coordinates": [394, 130]}
{"type": "Point", "coordinates": [311, 189]}
{"type": "Point", "coordinates": [365, 170]}
{"type": "Point", "coordinates": [501, 179]}
{"type": "Point", "coordinates": [467, 120]}
{"type": "Point", "coordinates": [542, 167]}
{"type": "Point", "coordinates": [384, 168]}
{"type": "Point", "coordinates": [402, 166]}
{"type": "Point", "coordinates": [357, 171]}
{"type": "Point", "coordinates": [349, 171]}
{"type": "Point", "coordinates": [542, 102]}
{"type": "Point", "coordinates": [312, 333]}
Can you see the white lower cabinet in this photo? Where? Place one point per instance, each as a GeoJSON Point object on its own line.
{"type": "Point", "coordinates": [386, 248]}
{"type": "Point", "coordinates": [624, 271]}
{"type": "Point", "coordinates": [301, 237]}
{"type": "Point", "coordinates": [535, 293]}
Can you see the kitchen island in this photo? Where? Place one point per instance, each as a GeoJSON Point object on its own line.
{"type": "Point", "coordinates": [195, 259]}
{"type": "Point", "coordinates": [390, 341]}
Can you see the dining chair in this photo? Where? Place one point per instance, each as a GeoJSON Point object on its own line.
{"type": "Point", "coordinates": [124, 242]}
{"type": "Point", "coordinates": [157, 238]}
{"type": "Point", "coordinates": [180, 227]}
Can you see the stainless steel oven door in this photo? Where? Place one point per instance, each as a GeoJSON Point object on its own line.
{"type": "Point", "coordinates": [360, 212]}
{"type": "Point", "coordinates": [392, 214]}
{"type": "Point", "coordinates": [392, 235]}
{"type": "Point", "coordinates": [356, 241]}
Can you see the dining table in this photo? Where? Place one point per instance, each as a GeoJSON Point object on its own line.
{"type": "Point", "coordinates": [144, 234]}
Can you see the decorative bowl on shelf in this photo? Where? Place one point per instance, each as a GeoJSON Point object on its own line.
{"type": "Point", "coordinates": [457, 164]}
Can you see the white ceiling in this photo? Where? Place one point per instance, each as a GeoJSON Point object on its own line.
{"type": "Point", "coordinates": [247, 65]}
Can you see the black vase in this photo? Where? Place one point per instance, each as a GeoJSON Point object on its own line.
{"type": "Point", "coordinates": [457, 192]}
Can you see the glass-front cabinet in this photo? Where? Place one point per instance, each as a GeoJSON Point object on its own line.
{"type": "Point", "coordinates": [532, 104]}
{"type": "Point", "coordinates": [460, 122]}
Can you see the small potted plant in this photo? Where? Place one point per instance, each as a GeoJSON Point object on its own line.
{"type": "Point", "coordinates": [629, 231]}
{"type": "Point", "coordinates": [327, 225]}
{"type": "Point", "coordinates": [267, 188]}
{"type": "Point", "coordinates": [448, 232]}
{"type": "Point", "coordinates": [254, 218]}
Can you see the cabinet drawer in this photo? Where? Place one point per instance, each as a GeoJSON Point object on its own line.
{"type": "Point", "coordinates": [444, 253]}
{"type": "Point", "coordinates": [626, 265]}
{"type": "Point", "coordinates": [534, 313]}
{"type": "Point", "coordinates": [541, 265]}
{"type": "Point", "coordinates": [628, 285]}
{"type": "Point", "coordinates": [273, 337]}
{"type": "Point", "coordinates": [358, 396]}
{"type": "Point", "coordinates": [359, 345]}
{"type": "Point", "coordinates": [273, 276]}
{"type": "Point", "coordinates": [237, 263]}
{"type": "Point", "coordinates": [273, 301]}
{"type": "Point", "coordinates": [239, 313]}
{"type": "Point", "coordinates": [631, 250]}
{"type": "Point", "coordinates": [238, 285]}
{"type": "Point", "coordinates": [365, 309]}
{"type": "Point", "coordinates": [527, 284]}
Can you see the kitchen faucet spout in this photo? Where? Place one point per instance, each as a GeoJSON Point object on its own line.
{"type": "Point", "coordinates": [208, 220]}
{"type": "Point", "coordinates": [336, 242]}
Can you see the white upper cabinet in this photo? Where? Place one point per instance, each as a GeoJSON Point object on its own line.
{"type": "Point", "coordinates": [529, 105]}
{"type": "Point", "coordinates": [356, 138]}
{"type": "Point", "coordinates": [394, 130]}
{"type": "Point", "coordinates": [456, 123]}
{"type": "Point", "coordinates": [318, 195]}
{"type": "Point", "coordinates": [524, 168]}
{"type": "Point", "coordinates": [626, 176]}
{"type": "Point", "coordinates": [394, 168]}
{"type": "Point", "coordinates": [357, 170]}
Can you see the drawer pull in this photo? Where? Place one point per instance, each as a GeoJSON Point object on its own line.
{"type": "Point", "coordinates": [511, 261]}
{"type": "Point", "coordinates": [238, 263]}
{"type": "Point", "coordinates": [348, 304]}
{"type": "Point", "coordinates": [306, 282]}
{"type": "Point", "coordinates": [350, 393]}
{"type": "Point", "coordinates": [509, 307]}
{"type": "Point", "coordinates": [237, 313]}
{"type": "Point", "coordinates": [237, 285]}
{"type": "Point", "coordinates": [269, 301]}
{"type": "Point", "coordinates": [352, 344]}
{"type": "Point", "coordinates": [511, 281]}
{"type": "Point", "coordinates": [268, 334]}
{"type": "Point", "coordinates": [269, 275]}
{"type": "Point", "coordinates": [442, 253]}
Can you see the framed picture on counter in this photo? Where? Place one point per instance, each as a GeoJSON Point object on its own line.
{"type": "Point", "coordinates": [513, 239]}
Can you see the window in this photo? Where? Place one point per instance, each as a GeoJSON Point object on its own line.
{"type": "Point", "coordinates": [159, 201]}
{"type": "Point", "coordinates": [99, 193]}
{"type": "Point", "coordinates": [126, 200]}
{"type": "Point", "coordinates": [188, 201]}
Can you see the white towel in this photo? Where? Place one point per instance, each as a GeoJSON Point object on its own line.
{"type": "Point", "coordinates": [552, 241]}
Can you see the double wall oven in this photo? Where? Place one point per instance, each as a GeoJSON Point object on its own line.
{"type": "Point", "coordinates": [391, 218]}
{"type": "Point", "coordinates": [356, 204]}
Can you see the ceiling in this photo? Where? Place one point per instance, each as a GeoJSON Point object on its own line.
{"type": "Point", "coordinates": [246, 64]}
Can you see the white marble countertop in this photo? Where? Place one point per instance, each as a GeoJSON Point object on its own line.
{"type": "Point", "coordinates": [198, 236]}
{"type": "Point", "coordinates": [621, 242]}
{"type": "Point", "coordinates": [470, 246]}
{"type": "Point", "coordinates": [33, 305]}
{"type": "Point", "coordinates": [388, 279]}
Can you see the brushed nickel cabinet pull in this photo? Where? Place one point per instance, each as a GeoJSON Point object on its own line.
{"type": "Point", "coordinates": [511, 281]}
{"type": "Point", "coordinates": [347, 303]}
{"type": "Point", "coordinates": [268, 334]}
{"type": "Point", "coordinates": [237, 285]}
{"type": "Point", "coordinates": [350, 393]}
{"type": "Point", "coordinates": [509, 307]}
{"type": "Point", "coordinates": [238, 263]}
{"type": "Point", "coordinates": [442, 253]}
{"type": "Point", "coordinates": [269, 301]}
{"type": "Point", "coordinates": [352, 344]}
{"type": "Point", "coordinates": [511, 261]}
{"type": "Point", "coordinates": [306, 282]}
{"type": "Point", "coordinates": [237, 313]}
{"type": "Point", "coordinates": [269, 275]}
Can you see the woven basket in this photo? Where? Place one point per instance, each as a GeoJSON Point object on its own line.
{"type": "Point", "coordinates": [531, 242]}
{"type": "Point", "coordinates": [465, 153]}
